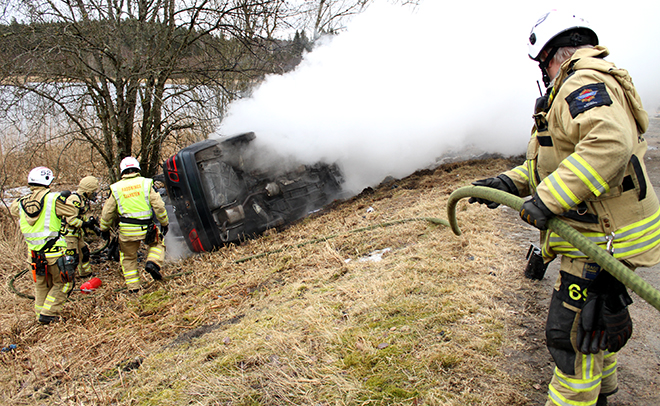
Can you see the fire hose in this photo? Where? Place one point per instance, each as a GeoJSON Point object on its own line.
{"type": "Point", "coordinates": [568, 233]}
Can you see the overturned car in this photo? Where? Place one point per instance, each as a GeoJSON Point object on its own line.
{"type": "Point", "coordinates": [224, 191]}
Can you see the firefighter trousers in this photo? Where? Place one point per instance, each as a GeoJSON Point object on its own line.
{"type": "Point", "coordinates": [128, 259]}
{"type": "Point", "coordinates": [79, 244]}
{"type": "Point", "coordinates": [578, 378]}
{"type": "Point", "coordinates": [50, 291]}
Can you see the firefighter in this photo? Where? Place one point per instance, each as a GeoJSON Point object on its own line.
{"type": "Point", "coordinates": [585, 164]}
{"type": "Point", "coordinates": [75, 225]}
{"type": "Point", "coordinates": [40, 218]}
{"type": "Point", "coordinates": [134, 203]}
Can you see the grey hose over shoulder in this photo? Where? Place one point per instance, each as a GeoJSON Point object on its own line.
{"type": "Point", "coordinates": [602, 258]}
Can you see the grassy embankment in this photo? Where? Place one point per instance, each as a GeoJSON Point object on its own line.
{"type": "Point", "coordinates": [312, 325]}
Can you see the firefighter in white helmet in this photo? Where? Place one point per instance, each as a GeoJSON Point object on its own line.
{"type": "Point", "coordinates": [585, 164]}
{"type": "Point", "coordinates": [82, 222]}
{"type": "Point", "coordinates": [134, 203]}
{"type": "Point", "coordinates": [40, 218]}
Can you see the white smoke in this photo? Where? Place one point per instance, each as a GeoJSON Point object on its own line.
{"type": "Point", "coordinates": [401, 88]}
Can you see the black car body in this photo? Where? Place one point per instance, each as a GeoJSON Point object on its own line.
{"type": "Point", "coordinates": [222, 193]}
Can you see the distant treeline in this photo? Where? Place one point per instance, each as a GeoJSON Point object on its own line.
{"type": "Point", "coordinates": [42, 49]}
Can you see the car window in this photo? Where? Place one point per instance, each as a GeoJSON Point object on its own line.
{"type": "Point", "coordinates": [220, 183]}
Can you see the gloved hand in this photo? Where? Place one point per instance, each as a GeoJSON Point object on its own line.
{"type": "Point", "coordinates": [591, 336]}
{"type": "Point", "coordinates": [605, 322]}
{"type": "Point", "coordinates": [535, 212]}
{"type": "Point", "coordinates": [164, 230]}
{"type": "Point", "coordinates": [500, 182]}
{"type": "Point", "coordinates": [105, 234]}
{"type": "Point", "coordinates": [90, 223]}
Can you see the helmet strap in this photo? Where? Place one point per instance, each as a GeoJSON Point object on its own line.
{"type": "Point", "coordinates": [544, 66]}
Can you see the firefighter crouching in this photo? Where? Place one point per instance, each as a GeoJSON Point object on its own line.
{"type": "Point", "coordinates": [585, 164]}
{"type": "Point", "coordinates": [133, 203]}
{"type": "Point", "coordinates": [40, 218]}
{"type": "Point", "coordinates": [75, 225]}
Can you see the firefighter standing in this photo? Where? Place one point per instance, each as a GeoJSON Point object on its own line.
{"type": "Point", "coordinates": [585, 163]}
{"type": "Point", "coordinates": [73, 235]}
{"type": "Point", "coordinates": [40, 218]}
{"type": "Point", "coordinates": [133, 203]}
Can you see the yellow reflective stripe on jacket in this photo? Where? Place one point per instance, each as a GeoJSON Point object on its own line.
{"type": "Point", "coordinates": [523, 171]}
{"type": "Point", "coordinates": [132, 230]}
{"type": "Point", "coordinates": [639, 228]}
{"type": "Point", "coordinates": [628, 241]}
{"type": "Point", "coordinates": [162, 218]}
{"type": "Point", "coordinates": [105, 224]}
{"type": "Point", "coordinates": [531, 171]}
{"type": "Point", "coordinates": [560, 191]}
{"type": "Point", "coordinates": [587, 174]}
{"type": "Point", "coordinates": [45, 228]}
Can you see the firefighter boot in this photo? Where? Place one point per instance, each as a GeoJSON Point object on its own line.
{"type": "Point", "coordinates": [47, 319]}
{"type": "Point", "coordinates": [154, 270]}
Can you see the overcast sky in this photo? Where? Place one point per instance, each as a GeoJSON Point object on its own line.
{"type": "Point", "coordinates": [401, 88]}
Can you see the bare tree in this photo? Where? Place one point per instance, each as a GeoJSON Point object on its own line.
{"type": "Point", "coordinates": [124, 75]}
{"type": "Point", "coordinates": [330, 16]}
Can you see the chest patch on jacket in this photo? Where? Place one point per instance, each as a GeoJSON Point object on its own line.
{"type": "Point", "coordinates": [588, 97]}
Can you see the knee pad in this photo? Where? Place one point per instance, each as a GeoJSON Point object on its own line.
{"type": "Point", "coordinates": [558, 334]}
{"type": "Point", "coordinates": [564, 306]}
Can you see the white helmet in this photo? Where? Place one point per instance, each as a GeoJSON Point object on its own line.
{"type": "Point", "coordinates": [128, 163]}
{"type": "Point", "coordinates": [559, 29]}
{"type": "Point", "coordinates": [40, 176]}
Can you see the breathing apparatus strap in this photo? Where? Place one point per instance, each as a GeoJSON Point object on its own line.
{"type": "Point", "coordinates": [33, 203]}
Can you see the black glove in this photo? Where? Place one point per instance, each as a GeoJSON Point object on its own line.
{"type": "Point", "coordinates": [164, 230]}
{"type": "Point", "coordinates": [605, 322]}
{"type": "Point", "coordinates": [535, 212]}
{"type": "Point", "coordinates": [91, 223]}
{"type": "Point", "coordinates": [591, 336]}
{"type": "Point", "coordinates": [501, 182]}
{"type": "Point", "coordinates": [105, 234]}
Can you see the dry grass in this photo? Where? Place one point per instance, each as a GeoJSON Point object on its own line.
{"type": "Point", "coordinates": [425, 325]}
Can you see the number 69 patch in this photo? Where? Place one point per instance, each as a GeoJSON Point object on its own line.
{"type": "Point", "coordinates": [573, 290]}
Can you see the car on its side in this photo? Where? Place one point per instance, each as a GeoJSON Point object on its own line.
{"type": "Point", "coordinates": [223, 191]}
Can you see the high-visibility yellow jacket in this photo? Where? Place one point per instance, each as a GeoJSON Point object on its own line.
{"type": "Point", "coordinates": [41, 226]}
{"type": "Point", "coordinates": [585, 160]}
{"type": "Point", "coordinates": [132, 202]}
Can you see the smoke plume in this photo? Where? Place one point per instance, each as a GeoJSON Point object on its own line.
{"type": "Point", "coordinates": [403, 87]}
